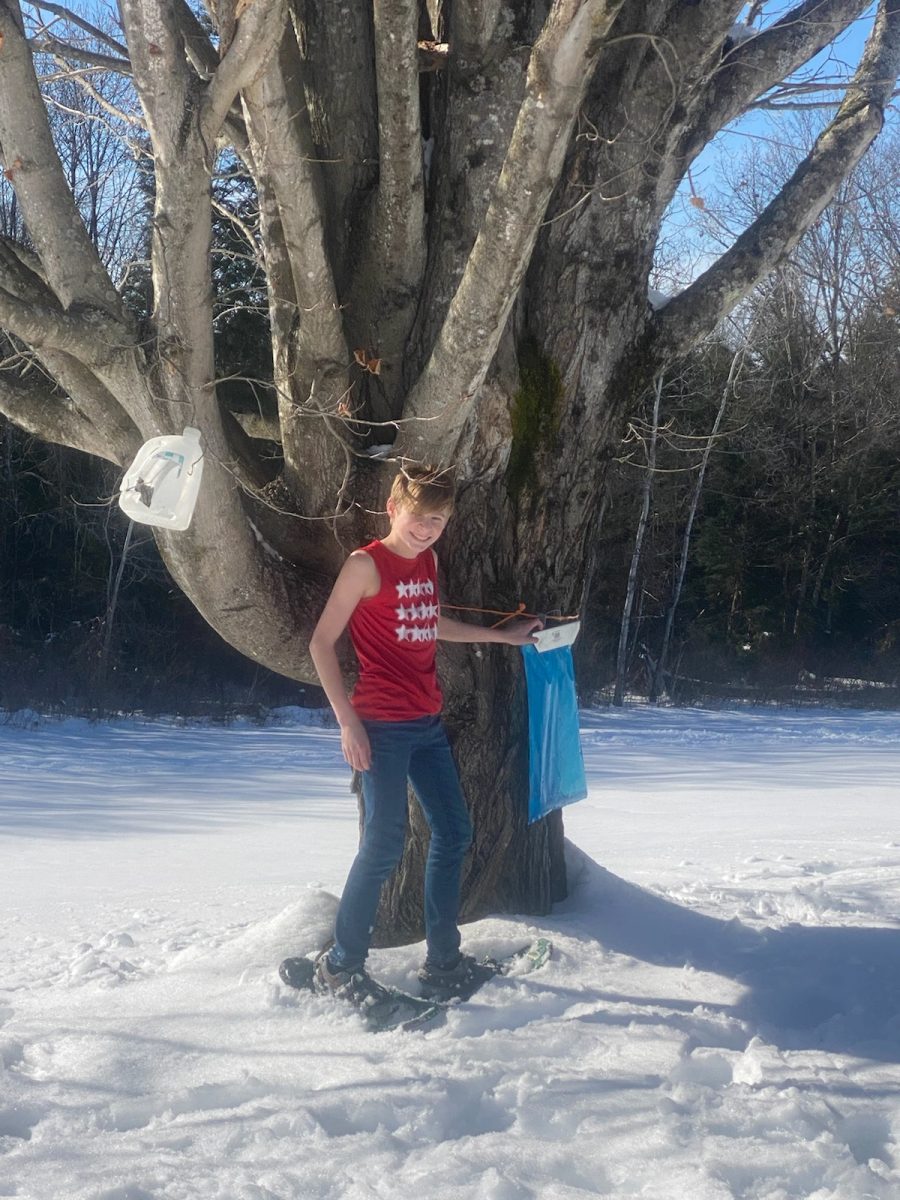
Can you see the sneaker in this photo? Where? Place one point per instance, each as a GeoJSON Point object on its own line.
{"type": "Point", "coordinates": [461, 980]}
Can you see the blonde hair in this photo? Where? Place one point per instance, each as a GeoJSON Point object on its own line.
{"type": "Point", "coordinates": [422, 489]}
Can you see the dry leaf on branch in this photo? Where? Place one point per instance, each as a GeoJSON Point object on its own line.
{"type": "Point", "coordinates": [362, 359]}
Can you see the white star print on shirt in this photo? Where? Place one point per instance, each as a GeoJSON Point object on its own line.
{"type": "Point", "coordinates": [415, 589]}
{"type": "Point", "coordinates": [417, 612]}
{"type": "Point", "coordinates": [426, 634]}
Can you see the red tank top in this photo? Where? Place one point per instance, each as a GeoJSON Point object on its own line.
{"type": "Point", "coordinates": [394, 634]}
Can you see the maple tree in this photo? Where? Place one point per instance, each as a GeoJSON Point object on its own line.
{"type": "Point", "coordinates": [458, 209]}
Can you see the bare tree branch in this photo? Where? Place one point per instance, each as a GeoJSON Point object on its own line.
{"type": "Point", "coordinates": [472, 115]}
{"type": "Point", "coordinates": [167, 86]}
{"type": "Point", "coordinates": [171, 95]}
{"type": "Point", "coordinates": [89, 58]}
{"type": "Point", "coordinates": [32, 166]}
{"type": "Point", "coordinates": [96, 403]}
{"type": "Point", "coordinates": [783, 99]}
{"type": "Point", "coordinates": [802, 105]}
{"type": "Point", "coordinates": [52, 417]}
{"type": "Point", "coordinates": [254, 605]}
{"type": "Point", "coordinates": [283, 152]}
{"type": "Point", "coordinates": [386, 285]}
{"type": "Point", "coordinates": [781, 225]}
{"type": "Point", "coordinates": [81, 78]}
{"type": "Point", "coordinates": [89, 336]}
{"type": "Point", "coordinates": [398, 234]}
{"type": "Point", "coordinates": [21, 273]}
{"type": "Point", "coordinates": [337, 68]}
{"type": "Point", "coordinates": [200, 51]}
{"type": "Point", "coordinates": [259, 31]}
{"type": "Point", "coordinates": [754, 66]}
{"type": "Point", "coordinates": [203, 57]}
{"type": "Point", "coordinates": [101, 35]}
{"type": "Point", "coordinates": [68, 346]}
{"type": "Point", "coordinates": [561, 65]}
{"type": "Point", "coordinates": [314, 365]}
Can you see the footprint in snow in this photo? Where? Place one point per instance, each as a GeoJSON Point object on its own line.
{"type": "Point", "coordinates": [16, 1124]}
{"type": "Point", "coordinates": [103, 964]}
{"type": "Point", "coordinates": [11, 1054]}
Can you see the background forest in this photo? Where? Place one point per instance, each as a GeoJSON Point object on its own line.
{"type": "Point", "coordinates": [748, 545]}
{"type": "Point", "coordinates": [753, 513]}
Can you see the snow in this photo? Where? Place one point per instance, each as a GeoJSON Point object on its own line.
{"type": "Point", "coordinates": [657, 298]}
{"type": "Point", "coordinates": [741, 32]}
{"type": "Point", "coordinates": [721, 1018]}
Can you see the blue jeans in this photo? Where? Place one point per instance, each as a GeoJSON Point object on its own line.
{"type": "Point", "coordinates": [417, 751]}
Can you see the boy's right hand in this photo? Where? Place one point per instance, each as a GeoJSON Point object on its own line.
{"type": "Point", "coordinates": [521, 632]}
{"type": "Point", "coordinates": [355, 745]}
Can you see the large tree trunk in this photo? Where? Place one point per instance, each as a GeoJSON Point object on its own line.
{"type": "Point", "coordinates": [498, 551]}
{"type": "Point", "coordinates": [513, 866]}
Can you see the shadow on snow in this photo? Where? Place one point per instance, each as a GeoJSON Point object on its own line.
{"type": "Point", "coordinates": [830, 988]}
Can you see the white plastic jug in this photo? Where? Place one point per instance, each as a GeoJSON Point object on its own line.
{"type": "Point", "coordinates": [161, 485]}
{"type": "Point", "coordinates": [556, 636]}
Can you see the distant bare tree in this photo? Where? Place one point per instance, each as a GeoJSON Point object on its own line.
{"type": "Point", "coordinates": [649, 439]}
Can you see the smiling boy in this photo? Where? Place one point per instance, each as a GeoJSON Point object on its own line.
{"type": "Point", "coordinates": [391, 731]}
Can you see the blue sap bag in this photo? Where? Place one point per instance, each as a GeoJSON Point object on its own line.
{"type": "Point", "coordinates": [555, 764]}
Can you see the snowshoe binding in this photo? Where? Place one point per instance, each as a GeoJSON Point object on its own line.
{"type": "Point", "coordinates": [381, 1008]}
{"type": "Point", "coordinates": [462, 979]}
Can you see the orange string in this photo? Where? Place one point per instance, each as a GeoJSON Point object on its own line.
{"type": "Point", "coordinates": [519, 611]}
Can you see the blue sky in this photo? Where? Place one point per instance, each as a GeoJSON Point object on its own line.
{"type": "Point", "coordinates": [839, 61]}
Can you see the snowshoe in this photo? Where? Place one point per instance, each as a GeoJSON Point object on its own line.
{"type": "Point", "coordinates": [381, 1008]}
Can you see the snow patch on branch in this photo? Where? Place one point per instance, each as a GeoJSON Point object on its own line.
{"type": "Point", "coordinates": [270, 550]}
{"type": "Point", "coordinates": [740, 33]}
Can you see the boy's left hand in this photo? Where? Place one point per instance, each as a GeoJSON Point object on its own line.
{"type": "Point", "coordinates": [521, 632]}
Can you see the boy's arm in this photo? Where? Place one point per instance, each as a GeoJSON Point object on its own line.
{"type": "Point", "coordinates": [516, 633]}
{"type": "Point", "coordinates": [358, 578]}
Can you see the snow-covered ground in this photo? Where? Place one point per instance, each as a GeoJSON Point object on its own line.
{"type": "Point", "coordinates": [721, 1019]}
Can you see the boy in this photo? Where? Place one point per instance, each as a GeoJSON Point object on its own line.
{"type": "Point", "coordinates": [391, 731]}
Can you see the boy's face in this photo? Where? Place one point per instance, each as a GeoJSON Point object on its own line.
{"type": "Point", "coordinates": [416, 530]}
